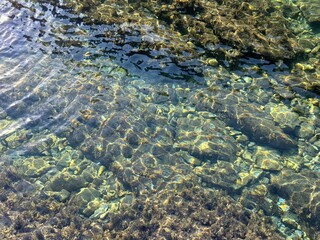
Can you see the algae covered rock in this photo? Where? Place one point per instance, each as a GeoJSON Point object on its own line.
{"type": "Point", "coordinates": [311, 10]}
{"type": "Point", "coordinates": [251, 119]}
{"type": "Point", "coordinates": [88, 199]}
{"type": "Point", "coordinates": [302, 192]}
{"type": "Point", "coordinates": [142, 138]}
{"type": "Point", "coordinates": [34, 166]}
{"type": "Point", "coordinates": [248, 27]}
{"type": "Point", "coordinates": [190, 212]}
{"type": "Point", "coordinates": [67, 181]}
{"type": "Point", "coordinates": [257, 197]}
{"type": "Point", "coordinates": [205, 139]}
{"type": "Point", "coordinates": [223, 175]}
{"type": "Point", "coordinates": [268, 159]}
{"type": "Point", "coordinates": [284, 116]}
{"type": "Point", "coordinates": [3, 113]}
{"type": "Point", "coordinates": [25, 214]}
{"type": "Point", "coordinates": [181, 211]}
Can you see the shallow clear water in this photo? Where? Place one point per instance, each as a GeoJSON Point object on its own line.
{"type": "Point", "coordinates": [91, 120]}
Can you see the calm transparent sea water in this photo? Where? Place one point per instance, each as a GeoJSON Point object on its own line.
{"type": "Point", "coordinates": [103, 139]}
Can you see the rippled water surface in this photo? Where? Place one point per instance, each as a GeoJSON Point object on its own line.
{"type": "Point", "coordinates": [106, 135]}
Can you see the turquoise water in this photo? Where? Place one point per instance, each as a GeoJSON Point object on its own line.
{"type": "Point", "coordinates": [106, 135]}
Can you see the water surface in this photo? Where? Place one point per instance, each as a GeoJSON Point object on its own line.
{"type": "Point", "coordinates": [124, 138]}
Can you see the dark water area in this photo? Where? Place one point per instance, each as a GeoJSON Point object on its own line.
{"type": "Point", "coordinates": [119, 121]}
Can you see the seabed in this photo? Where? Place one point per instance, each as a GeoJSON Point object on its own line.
{"type": "Point", "coordinates": [159, 119]}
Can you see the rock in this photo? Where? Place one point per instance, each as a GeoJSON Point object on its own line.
{"type": "Point", "coordinates": [101, 212]}
{"type": "Point", "coordinates": [34, 166]}
{"type": "Point", "coordinates": [217, 24]}
{"type": "Point", "coordinates": [91, 207]}
{"type": "Point", "coordinates": [85, 197]}
{"type": "Point", "coordinates": [205, 139]}
{"type": "Point", "coordinates": [268, 159]}
{"type": "Point", "coordinates": [306, 130]}
{"type": "Point", "coordinates": [5, 220]}
{"type": "Point", "coordinates": [61, 196]}
{"type": "Point", "coordinates": [301, 190]}
{"type": "Point", "coordinates": [65, 180]}
{"type": "Point", "coordinates": [190, 212]}
{"type": "Point", "coordinates": [3, 114]}
{"type": "Point", "coordinates": [249, 118]}
{"type": "Point", "coordinates": [311, 10]}
{"type": "Point", "coordinates": [284, 116]}
{"type": "Point", "coordinates": [257, 198]}
{"type": "Point", "coordinates": [223, 175]}
{"type": "Point", "coordinates": [265, 132]}
{"type": "Point", "coordinates": [189, 159]}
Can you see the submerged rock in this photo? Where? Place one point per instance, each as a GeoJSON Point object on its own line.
{"type": "Point", "coordinates": [311, 10]}
{"type": "Point", "coordinates": [34, 166]}
{"type": "Point", "coordinates": [181, 211]}
{"type": "Point", "coordinates": [302, 192]}
{"type": "Point", "coordinates": [210, 24]}
{"type": "Point", "coordinates": [190, 212]}
{"type": "Point", "coordinates": [66, 181]}
{"type": "Point", "coordinates": [265, 132]}
{"type": "Point", "coordinates": [142, 138]}
{"type": "Point", "coordinates": [257, 124]}
{"type": "Point", "coordinates": [223, 175]}
{"type": "Point", "coordinates": [285, 117]}
{"type": "Point", "coordinates": [205, 139]}
{"type": "Point", "coordinates": [268, 159]}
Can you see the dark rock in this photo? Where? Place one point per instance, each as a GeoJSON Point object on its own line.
{"type": "Point", "coordinates": [302, 192]}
